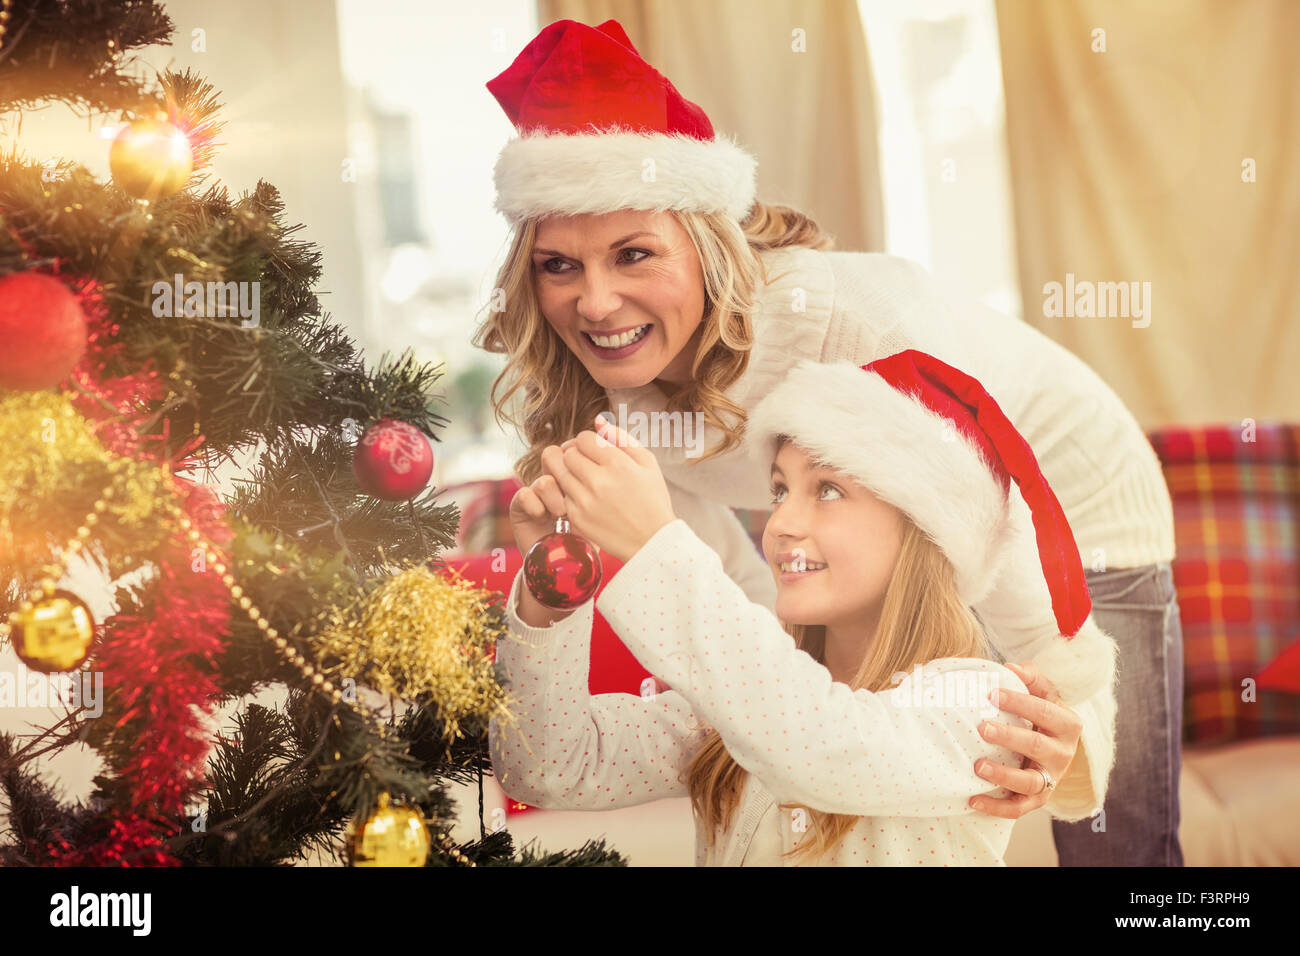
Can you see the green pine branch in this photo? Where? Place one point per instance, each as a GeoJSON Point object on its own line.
{"type": "Point", "coordinates": [60, 51]}
{"type": "Point", "coordinates": [290, 384]}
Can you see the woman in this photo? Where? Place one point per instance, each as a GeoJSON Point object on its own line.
{"type": "Point", "coordinates": [800, 752]}
{"type": "Point", "coordinates": [727, 294]}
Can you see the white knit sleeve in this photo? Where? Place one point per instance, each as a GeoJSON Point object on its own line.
{"type": "Point", "coordinates": [568, 749]}
{"type": "Point", "coordinates": [906, 751]}
{"type": "Point", "coordinates": [717, 526]}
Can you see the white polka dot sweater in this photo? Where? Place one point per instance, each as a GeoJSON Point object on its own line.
{"type": "Point", "coordinates": [855, 306]}
{"type": "Point", "coordinates": [902, 759]}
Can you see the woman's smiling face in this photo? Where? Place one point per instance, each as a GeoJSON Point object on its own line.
{"type": "Point", "coordinates": [848, 539]}
{"type": "Point", "coordinates": [632, 279]}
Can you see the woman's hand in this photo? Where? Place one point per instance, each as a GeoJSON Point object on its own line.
{"type": "Point", "coordinates": [614, 491]}
{"type": "Point", "coordinates": [1051, 744]}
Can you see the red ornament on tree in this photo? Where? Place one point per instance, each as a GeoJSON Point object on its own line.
{"type": "Point", "coordinates": [562, 570]}
{"type": "Point", "coordinates": [393, 460]}
{"type": "Point", "coordinates": [43, 330]}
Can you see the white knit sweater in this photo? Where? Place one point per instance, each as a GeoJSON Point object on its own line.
{"type": "Point", "coordinates": [849, 306]}
{"type": "Point", "coordinates": [902, 760]}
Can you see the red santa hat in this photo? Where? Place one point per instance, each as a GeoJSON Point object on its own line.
{"type": "Point", "coordinates": [928, 439]}
{"type": "Point", "coordinates": [600, 129]}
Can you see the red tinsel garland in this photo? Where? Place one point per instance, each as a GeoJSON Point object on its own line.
{"type": "Point", "coordinates": [162, 666]}
{"type": "Point", "coordinates": [117, 406]}
{"type": "Point", "coordinates": [132, 841]}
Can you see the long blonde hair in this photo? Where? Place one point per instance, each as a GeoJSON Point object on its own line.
{"type": "Point", "coordinates": [922, 618]}
{"type": "Point", "coordinates": [561, 397]}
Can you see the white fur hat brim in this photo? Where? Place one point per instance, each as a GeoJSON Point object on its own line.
{"type": "Point", "coordinates": [543, 174]}
{"type": "Point", "coordinates": [855, 421]}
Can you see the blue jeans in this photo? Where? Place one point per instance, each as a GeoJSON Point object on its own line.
{"type": "Point", "coordinates": [1139, 608]}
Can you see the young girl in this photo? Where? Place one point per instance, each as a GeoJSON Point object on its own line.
{"type": "Point", "coordinates": [899, 491]}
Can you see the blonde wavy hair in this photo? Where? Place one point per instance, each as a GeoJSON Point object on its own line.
{"type": "Point", "coordinates": [922, 618]}
{"type": "Point", "coordinates": [560, 397]}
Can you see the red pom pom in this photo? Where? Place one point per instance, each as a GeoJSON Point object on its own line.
{"type": "Point", "coordinates": [1283, 672]}
{"type": "Point", "coordinates": [43, 330]}
{"type": "Point", "coordinates": [393, 460]}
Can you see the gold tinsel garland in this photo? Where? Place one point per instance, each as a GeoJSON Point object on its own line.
{"type": "Point", "coordinates": [48, 446]}
{"type": "Point", "coordinates": [418, 633]}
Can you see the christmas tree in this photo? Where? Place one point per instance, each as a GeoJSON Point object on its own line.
{"type": "Point", "coordinates": [154, 330]}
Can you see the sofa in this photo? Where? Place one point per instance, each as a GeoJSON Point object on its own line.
{"type": "Point", "coordinates": [1236, 499]}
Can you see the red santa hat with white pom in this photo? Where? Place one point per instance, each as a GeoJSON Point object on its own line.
{"type": "Point", "coordinates": [601, 129]}
{"type": "Point", "coordinates": [928, 439]}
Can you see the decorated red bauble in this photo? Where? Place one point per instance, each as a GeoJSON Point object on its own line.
{"type": "Point", "coordinates": [43, 330]}
{"type": "Point", "coordinates": [562, 569]}
{"type": "Point", "coordinates": [393, 460]}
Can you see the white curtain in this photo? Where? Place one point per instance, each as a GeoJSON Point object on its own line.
{"type": "Point", "coordinates": [1158, 143]}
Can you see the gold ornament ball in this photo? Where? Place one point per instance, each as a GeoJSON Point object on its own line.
{"type": "Point", "coordinates": [391, 836]}
{"type": "Point", "coordinates": [150, 159]}
{"type": "Point", "coordinates": [55, 634]}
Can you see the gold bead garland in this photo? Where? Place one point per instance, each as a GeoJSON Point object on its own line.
{"type": "Point", "coordinates": [290, 653]}
{"type": "Point", "coordinates": [135, 500]}
{"type": "Point", "coordinates": [5, 12]}
{"type": "Point", "coordinates": [51, 573]}
{"type": "Point", "coordinates": [219, 567]}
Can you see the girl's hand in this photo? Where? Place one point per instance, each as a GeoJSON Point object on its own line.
{"type": "Point", "coordinates": [1051, 745]}
{"type": "Point", "coordinates": [533, 511]}
{"type": "Point", "coordinates": [613, 488]}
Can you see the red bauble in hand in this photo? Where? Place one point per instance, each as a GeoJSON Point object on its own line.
{"type": "Point", "coordinates": [562, 570]}
{"type": "Point", "coordinates": [393, 460]}
{"type": "Point", "coordinates": [43, 330]}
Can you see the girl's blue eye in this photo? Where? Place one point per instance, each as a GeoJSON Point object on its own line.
{"type": "Point", "coordinates": [776, 489]}
{"type": "Point", "coordinates": [546, 265]}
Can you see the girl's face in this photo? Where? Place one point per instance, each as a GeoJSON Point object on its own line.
{"type": "Point", "coordinates": [624, 290]}
{"type": "Point", "coordinates": [847, 538]}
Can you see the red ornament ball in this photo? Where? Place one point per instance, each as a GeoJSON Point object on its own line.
{"type": "Point", "coordinates": [43, 330]}
{"type": "Point", "coordinates": [393, 460]}
{"type": "Point", "coordinates": [562, 569]}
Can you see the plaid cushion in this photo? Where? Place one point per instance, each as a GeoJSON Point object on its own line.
{"type": "Point", "coordinates": [1237, 571]}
